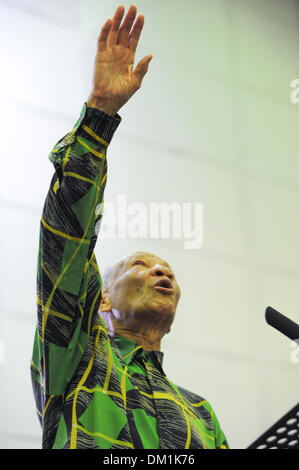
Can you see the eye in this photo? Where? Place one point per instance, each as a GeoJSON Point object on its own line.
{"type": "Point", "coordinates": [139, 262]}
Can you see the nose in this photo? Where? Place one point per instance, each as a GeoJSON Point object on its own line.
{"type": "Point", "coordinates": [160, 270]}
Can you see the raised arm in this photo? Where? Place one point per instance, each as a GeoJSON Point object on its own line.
{"type": "Point", "coordinates": [68, 279]}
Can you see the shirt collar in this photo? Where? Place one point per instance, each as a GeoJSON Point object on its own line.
{"type": "Point", "coordinates": [128, 349]}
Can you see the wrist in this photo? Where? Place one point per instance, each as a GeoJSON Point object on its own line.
{"type": "Point", "coordinates": [102, 105]}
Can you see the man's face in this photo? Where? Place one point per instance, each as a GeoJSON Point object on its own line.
{"type": "Point", "coordinates": [145, 286]}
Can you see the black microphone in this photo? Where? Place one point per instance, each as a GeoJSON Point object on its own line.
{"type": "Point", "coordinates": [283, 324]}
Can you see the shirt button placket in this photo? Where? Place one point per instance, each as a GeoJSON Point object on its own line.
{"type": "Point", "coordinates": [161, 415]}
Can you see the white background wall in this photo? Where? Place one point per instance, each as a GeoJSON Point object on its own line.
{"type": "Point", "coordinates": [212, 123]}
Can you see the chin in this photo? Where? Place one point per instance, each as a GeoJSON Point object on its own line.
{"type": "Point", "coordinates": [163, 308]}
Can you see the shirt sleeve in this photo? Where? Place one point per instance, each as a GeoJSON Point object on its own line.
{"type": "Point", "coordinates": [220, 439]}
{"type": "Point", "coordinates": [68, 278]}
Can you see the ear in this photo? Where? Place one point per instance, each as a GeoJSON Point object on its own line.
{"type": "Point", "coordinates": [106, 303]}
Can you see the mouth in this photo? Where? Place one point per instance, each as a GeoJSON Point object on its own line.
{"type": "Point", "coordinates": [165, 286]}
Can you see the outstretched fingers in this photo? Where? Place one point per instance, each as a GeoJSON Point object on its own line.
{"type": "Point", "coordinates": [123, 35]}
{"type": "Point", "coordinates": [135, 33]}
{"type": "Point", "coordinates": [102, 41]}
{"type": "Point", "coordinates": [116, 20]}
{"type": "Point", "coordinates": [112, 33]}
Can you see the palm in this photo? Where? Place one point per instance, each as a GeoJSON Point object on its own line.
{"type": "Point", "coordinates": [114, 72]}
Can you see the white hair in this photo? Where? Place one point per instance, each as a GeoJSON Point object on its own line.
{"type": "Point", "coordinates": [108, 276]}
{"type": "Point", "coordinates": [110, 273]}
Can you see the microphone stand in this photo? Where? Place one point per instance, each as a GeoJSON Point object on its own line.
{"type": "Point", "coordinates": [284, 434]}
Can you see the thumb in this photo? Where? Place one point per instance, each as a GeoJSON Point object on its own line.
{"type": "Point", "coordinates": [142, 67]}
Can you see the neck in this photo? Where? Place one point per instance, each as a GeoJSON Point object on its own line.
{"type": "Point", "coordinates": [149, 340]}
{"type": "Point", "coordinates": [148, 335]}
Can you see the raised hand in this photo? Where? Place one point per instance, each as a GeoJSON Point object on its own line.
{"type": "Point", "coordinates": [114, 80]}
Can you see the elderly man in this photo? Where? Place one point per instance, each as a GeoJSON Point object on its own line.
{"type": "Point", "coordinates": [97, 370]}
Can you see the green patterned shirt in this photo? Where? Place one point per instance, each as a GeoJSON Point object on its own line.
{"type": "Point", "coordinates": [92, 390]}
